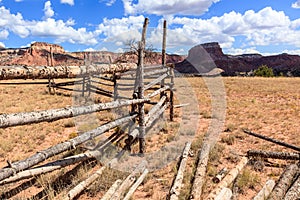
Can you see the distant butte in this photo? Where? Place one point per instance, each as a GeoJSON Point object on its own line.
{"type": "Point", "coordinates": [204, 57]}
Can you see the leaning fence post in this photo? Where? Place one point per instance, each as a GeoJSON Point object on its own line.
{"type": "Point", "coordinates": [140, 73]}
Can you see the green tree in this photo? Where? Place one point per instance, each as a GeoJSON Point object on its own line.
{"type": "Point", "coordinates": [264, 71]}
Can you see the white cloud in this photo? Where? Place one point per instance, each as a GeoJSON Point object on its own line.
{"type": "Point", "coordinates": [121, 30]}
{"type": "Point", "coordinates": [264, 27]}
{"type": "Point", "coordinates": [238, 51]}
{"type": "Point", "coordinates": [1, 43]}
{"type": "Point", "coordinates": [110, 2]}
{"type": "Point", "coordinates": [292, 52]}
{"type": "Point", "coordinates": [296, 4]}
{"type": "Point", "coordinates": [170, 7]}
{"type": "Point", "coordinates": [70, 2]}
{"type": "Point", "coordinates": [89, 49]}
{"type": "Point", "coordinates": [62, 32]}
{"type": "Point", "coordinates": [13, 22]}
{"type": "Point", "coordinates": [18, 0]}
{"type": "Point", "coordinates": [48, 11]}
{"type": "Point", "coordinates": [59, 30]}
{"type": "Point", "coordinates": [4, 34]}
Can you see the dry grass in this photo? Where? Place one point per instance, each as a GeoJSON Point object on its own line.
{"type": "Point", "coordinates": [269, 106]}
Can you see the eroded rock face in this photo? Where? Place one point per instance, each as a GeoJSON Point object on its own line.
{"type": "Point", "coordinates": [44, 54]}
{"type": "Point", "coordinates": [205, 57]}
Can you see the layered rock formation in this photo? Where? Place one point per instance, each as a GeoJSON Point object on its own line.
{"type": "Point", "coordinates": [44, 54]}
{"type": "Point", "coordinates": [203, 58]}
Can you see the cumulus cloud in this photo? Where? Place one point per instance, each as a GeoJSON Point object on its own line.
{"type": "Point", "coordinates": [296, 4]}
{"type": "Point", "coordinates": [121, 30]}
{"type": "Point", "coordinates": [264, 27]}
{"type": "Point", "coordinates": [48, 11]}
{"type": "Point", "coordinates": [60, 30]}
{"type": "Point", "coordinates": [170, 7]}
{"type": "Point", "coordinates": [4, 34]}
{"type": "Point", "coordinates": [70, 2]}
{"type": "Point", "coordinates": [13, 22]}
{"type": "Point", "coordinates": [1, 43]}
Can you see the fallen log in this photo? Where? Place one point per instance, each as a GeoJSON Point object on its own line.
{"type": "Point", "coordinates": [273, 140]}
{"type": "Point", "coordinates": [59, 148]}
{"type": "Point", "coordinates": [228, 179]}
{"type": "Point", "coordinates": [136, 185]}
{"type": "Point", "coordinates": [15, 119]}
{"type": "Point", "coordinates": [83, 185]}
{"type": "Point", "coordinates": [45, 72]}
{"type": "Point", "coordinates": [220, 175]}
{"type": "Point", "coordinates": [285, 181]}
{"type": "Point", "coordinates": [175, 189]}
{"type": "Point", "coordinates": [128, 182]}
{"type": "Point", "coordinates": [111, 190]}
{"type": "Point", "coordinates": [265, 191]}
{"type": "Point", "coordinates": [275, 155]}
{"type": "Point", "coordinates": [294, 191]}
{"type": "Point", "coordinates": [225, 194]}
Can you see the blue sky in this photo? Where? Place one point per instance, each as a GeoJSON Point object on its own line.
{"type": "Point", "coordinates": [264, 26]}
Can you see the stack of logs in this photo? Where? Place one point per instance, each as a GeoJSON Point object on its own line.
{"type": "Point", "coordinates": [287, 187]}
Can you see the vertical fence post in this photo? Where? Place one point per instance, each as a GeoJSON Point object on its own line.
{"type": "Point", "coordinates": [171, 71]}
{"type": "Point", "coordinates": [140, 73]}
{"type": "Point", "coordinates": [163, 53]}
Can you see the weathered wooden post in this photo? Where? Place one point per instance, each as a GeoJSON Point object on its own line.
{"type": "Point", "coordinates": [163, 54]}
{"type": "Point", "coordinates": [171, 68]}
{"type": "Point", "coordinates": [140, 74]}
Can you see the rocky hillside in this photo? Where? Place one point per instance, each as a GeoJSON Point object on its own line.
{"type": "Point", "coordinates": [44, 54]}
{"type": "Point", "coordinates": [201, 59]}
{"type": "Point", "coordinates": [205, 57]}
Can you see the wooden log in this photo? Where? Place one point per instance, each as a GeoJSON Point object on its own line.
{"type": "Point", "coordinates": [128, 182]}
{"type": "Point", "coordinates": [199, 176]}
{"type": "Point", "coordinates": [49, 167]}
{"type": "Point", "coordinates": [163, 53]}
{"type": "Point", "coordinates": [45, 72]}
{"type": "Point", "coordinates": [83, 185]}
{"type": "Point", "coordinates": [172, 93]}
{"type": "Point", "coordinates": [136, 185]}
{"type": "Point", "coordinates": [159, 71]}
{"type": "Point", "coordinates": [156, 115]}
{"type": "Point", "coordinates": [59, 148]}
{"type": "Point", "coordinates": [140, 84]}
{"type": "Point", "coordinates": [294, 191]}
{"type": "Point", "coordinates": [285, 181]}
{"type": "Point", "coordinates": [112, 190]}
{"type": "Point", "coordinates": [156, 81]}
{"type": "Point", "coordinates": [225, 194]}
{"type": "Point", "coordinates": [274, 155]}
{"type": "Point", "coordinates": [157, 106]}
{"type": "Point", "coordinates": [265, 191]}
{"type": "Point", "coordinates": [157, 92]}
{"type": "Point", "coordinates": [15, 119]}
{"type": "Point", "coordinates": [220, 175]}
{"type": "Point", "coordinates": [175, 189]}
{"type": "Point", "coordinates": [228, 179]}
{"type": "Point", "coordinates": [272, 140]}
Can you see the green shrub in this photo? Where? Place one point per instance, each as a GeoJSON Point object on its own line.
{"type": "Point", "coordinates": [264, 71]}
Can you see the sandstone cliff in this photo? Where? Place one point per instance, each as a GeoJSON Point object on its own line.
{"type": "Point", "coordinates": [205, 57]}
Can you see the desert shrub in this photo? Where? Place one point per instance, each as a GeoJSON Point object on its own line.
{"type": "Point", "coordinates": [264, 71]}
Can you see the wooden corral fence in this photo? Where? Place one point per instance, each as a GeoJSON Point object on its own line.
{"type": "Point", "coordinates": [118, 77]}
{"type": "Point", "coordinates": [156, 75]}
